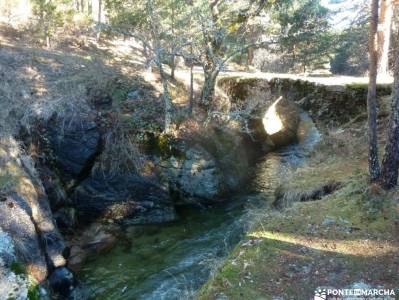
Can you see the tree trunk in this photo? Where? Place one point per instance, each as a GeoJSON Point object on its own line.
{"type": "Point", "coordinates": [211, 71]}
{"type": "Point", "coordinates": [146, 54]}
{"type": "Point", "coordinates": [173, 66]}
{"type": "Point", "coordinates": [100, 5]}
{"type": "Point", "coordinates": [250, 56]}
{"type": "Point", "coordinates": [48, 42]}
{"type": "Point", "coordinates": [155, 34]}
{"type": "Point", "coordinates": [374, 167]}
{"type": "Point", "coordinates": [173, 58]}
{"type": "Point", "coordinates": [99, 14]}
{"type": "Point", "coordinates": [211, 64]}
{"type": "Point", "coordinates": [208, 89]}
{"type": "Point", "coordinates": [82, 5]}
{"type": "Point", "coordinates": [390, 162]}
{"type": "Point", "coordinates": [166, 98]}
{"type": "Point", "coordinates": [384, 34]}
{"type": "Point", "coordinates": [191, 100]}
{"type": "Point", "coordinates": [89, 7]}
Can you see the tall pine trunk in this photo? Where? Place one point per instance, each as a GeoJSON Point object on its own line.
{"type": "Point", "coordinates": [384, 34]}
{"type": "Point", "coordinates": [99, 15]}
{"type": "Point", "coordinates": [390, 162]}
{"type": "Point", "coordinates": [374, 166]}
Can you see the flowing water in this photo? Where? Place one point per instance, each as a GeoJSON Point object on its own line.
{"type": "Point", "coordinates": [171, 261]}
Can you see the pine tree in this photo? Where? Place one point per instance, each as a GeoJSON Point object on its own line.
{"type": "Point", "coordinates": [374, 166]}
{"type": "Point", "coordinates": [390, 162]}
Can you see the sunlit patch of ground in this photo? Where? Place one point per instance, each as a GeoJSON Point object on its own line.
{"type": "Point", "coordinates": [349, 236]}
{"type": "Point", "coordinates": [329, 242]}
{"type": "Point", "coordinates": [358, 247]}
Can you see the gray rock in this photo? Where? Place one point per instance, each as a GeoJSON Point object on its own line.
{"type": "Point", "coordinates": [16, 221]}
{"type": "Point", "coordinates": [199, 176]}
{"type": "Point", "coordinates": [130, 198]}
{"type": "Point", "coordinates": [26, 217]}
{"type": "Point", "coordinates": [75, 144]}
{"type": "Point", "coordinates": [195, 177]}
{"type": "Point", "coordinates": [207, 168]}
{"type": "Point", "coordinates": [54, 189]}
{"type": "Point", "coordinates": [62, 282]}
{"type": "Point", "coordinates": [134, 94]}
{"type": "Point", "coordinates": [12, 286]}
{"type": "Point", "coordinates": [328, 221]}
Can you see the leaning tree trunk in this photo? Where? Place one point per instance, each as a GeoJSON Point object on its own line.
{"type": "Point", "coordinates": [374, 167]}
{"type": "Point", "coordinates": [390, 162]}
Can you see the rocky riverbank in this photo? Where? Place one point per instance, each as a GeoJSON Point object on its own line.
{"type": "Point", "coordinates": [92, 171]}
{"type": "Point", "coordinates": [61, 175]}
{"type": "Point", "coordinates": [325, 228]}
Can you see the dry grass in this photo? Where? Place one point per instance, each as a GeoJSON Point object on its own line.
{"type": "Point", "coordinates": [40, 84]}
{"type": "Point", "coordinates": [121, 153]}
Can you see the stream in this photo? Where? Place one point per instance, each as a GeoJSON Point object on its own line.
{"type": "Point", "coordinates": [172, 261]}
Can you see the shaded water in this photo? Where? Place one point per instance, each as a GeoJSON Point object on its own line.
{"type": "Point", "coordinates": [171, 261]}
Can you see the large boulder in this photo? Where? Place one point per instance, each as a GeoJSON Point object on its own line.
{"type": "Point", "coordinates": [206, 168]}
{"type": "Point", "coordinates": [16, 221]}
{"type": "Point", "coordinates": [126, 197]}
{"type": "Point", "coordinates": [26, 218]}
{"type": "Point", "coordinates": [74, 143]}
{"type": "Point", "coordinates": [64, 149]}
{"type": "Point", "coordinates": [194, 178]}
